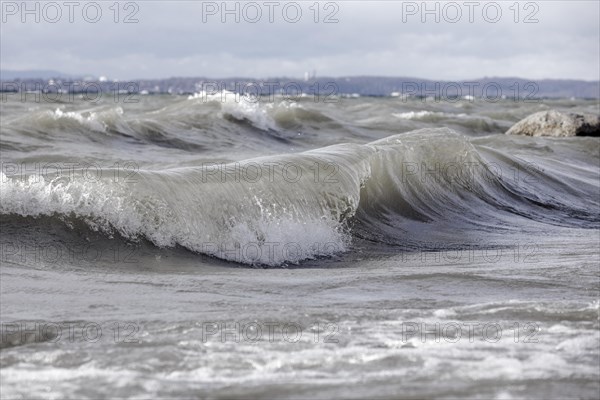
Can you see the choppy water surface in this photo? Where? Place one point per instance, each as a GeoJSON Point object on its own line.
{"type": "Point", "coordinates": [369, 247]}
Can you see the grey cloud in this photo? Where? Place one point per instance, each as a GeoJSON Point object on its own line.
{"type": "Point", "coordinates": [371, 39]}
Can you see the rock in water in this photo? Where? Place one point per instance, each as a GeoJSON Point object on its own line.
{"type": "Point", "coordinates": [555, 123]}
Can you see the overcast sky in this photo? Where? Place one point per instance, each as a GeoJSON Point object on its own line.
{"type": "Point", "coordinates": [369, 38]}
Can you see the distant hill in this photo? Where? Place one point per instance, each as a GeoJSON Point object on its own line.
{"type": "Point", "coordinates": [351, 85]}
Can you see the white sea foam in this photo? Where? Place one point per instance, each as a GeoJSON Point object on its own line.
{"type": "Point", "coordinates": [427, 115]}
{"type": "Point", "coordinates": [94, 120]}
{"type": "Point", "coordinates": [240, 107]}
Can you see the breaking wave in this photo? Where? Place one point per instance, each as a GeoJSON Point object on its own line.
{"type": "Point", "coordinates": [408, 190]}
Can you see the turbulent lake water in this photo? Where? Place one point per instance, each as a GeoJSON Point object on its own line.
{"type": "Point", "coordinates": [207, 246]}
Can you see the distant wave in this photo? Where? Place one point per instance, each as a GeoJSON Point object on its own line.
{"type": "Point", "coordinates": [473, 122]}
{"type": "Point", "coordinates": [194, 124]}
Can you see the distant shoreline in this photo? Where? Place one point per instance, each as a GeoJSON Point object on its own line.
{"type": "Point", "coordinates": [352, 85]}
